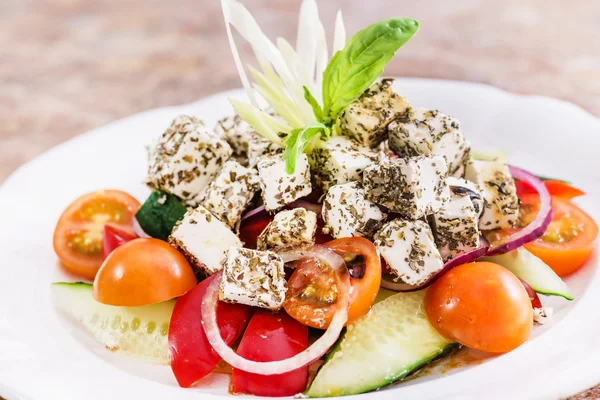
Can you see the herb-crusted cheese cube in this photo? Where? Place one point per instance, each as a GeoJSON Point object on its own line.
{"type": "Point", "coordinates": [542, 315]}
{"type": "Point", "coordinates": [252, 277]}
{"type": "Point", "coordinates": [409, 250]}
{"type": "Point", "coordinates": [236, 132]}
{"type": "Point", "coordinates": [278, 187]}
{"type": "Point", "coordinates": [339, 160]}
{"type": "Point", "coordinates": [231, 191]}
{"type": "Point", "coordinates": [497, 188]}
{"type": "Point", "coordinates": [428, 132]}
{"type": "Point", "coordinates": [460, 186]}
{"type": "Point", "coordinates": [289, 228]}
{"type": "Point", "coordinates": [414, 187]}
{"type": "Point", "coordinates": [259, 146]}
{"type": "Point", "coordinates": [347, 212]}
{"type": "Point", "coordinates": [186, 158]}
{"type": "Point", "coordinates": [366, 119]}
{"type": "Point", "coordinates": [455, 224]}
{"type": "Point", "coordinates": [203, 239]}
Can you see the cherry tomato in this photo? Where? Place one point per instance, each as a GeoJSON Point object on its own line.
{"type": "Point", "coordinates": [556, 189]}
{"type": "Point", "coordinates": [569, 240]}
{"type": "Point", "coordinates": [78, 233]}
{"type": "Point", "coordinates": [271, 337]}
{"type": "Point", "coordinates": [312, 291]}
{"type": "Point", "coordinates": [482, 306]}
{"type": "Point", "coordinates": [192, 357]}
{"type": "Point", "coordinates": [113, 238]}
{"type": "Point", "coordinates": [141, 272]}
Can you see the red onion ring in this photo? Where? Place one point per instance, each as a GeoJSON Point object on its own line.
{"type": "Point", "coordinates": [255, 211]}
{"type": "Point", "coordinates": [388, 283]}
{"type": "Point", "coordinates": [312, 353]}
{"type": "Point", "coordinates": [138, 229]}
{"type": "Point", "coordinates": [538, 226]}
{"type": "Point", "coordinates": [293, 253]}
{"type": "Point", "coordinates": [300, 203]}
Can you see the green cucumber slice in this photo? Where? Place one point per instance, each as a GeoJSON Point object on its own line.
{"type": "Point", "coordinates": [139, 332]}
{"type": "Point", "coordinates": [489, 154]}
{"type": "Point", "coordinates": [159, 214]}
{"type": "Point", "coordinates": [534, 271]}
{"type": "Point", "coordinates": [387, 344]}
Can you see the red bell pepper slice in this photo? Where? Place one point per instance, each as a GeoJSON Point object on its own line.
{"type": "Point", "coordinates": [556, 188]}
{"type": "Point", "coordinates": [192, 356]}
{"type": "Point", "coordinates": [113, 238]}
{"type": "Point", "coordinates": [271, 337]}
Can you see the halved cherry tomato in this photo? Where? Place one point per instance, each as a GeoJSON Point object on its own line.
{"type": "Point", "coordinates": [556, 189]}
{"type": "Point", "coordinates": [312, 291]}
{"type": "Point", "coordinates": [192, 356]}
{"type": "Point", "coordinates": [113, 238]}
{"type": "Point", "coordinates": [482, 306]}
{"type": "Point", "coordinates": [141, 272]}
{"type": "Point", "coordinates": [79, 231]}
{"type": "Point", "coordinates": [271, 337]}
{"type": "Point", "coordinates": [569, 240]}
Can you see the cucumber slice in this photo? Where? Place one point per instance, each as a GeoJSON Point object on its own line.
{"type": "Point", "coordinates": [139, 332]}
{"type": "Point", "coordinates": [534, 271]}
{"type": "Point", "coordinates": [159, 214]}
{"type": "Point", "coordinates": [489, 154]}
{"type": "Point", "coordinates": [387, 344]}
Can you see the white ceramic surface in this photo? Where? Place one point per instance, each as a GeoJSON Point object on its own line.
{"type": "Point", "coordinates": [44, 356]}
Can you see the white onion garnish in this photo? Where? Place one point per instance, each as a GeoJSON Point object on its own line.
{"type": "Point", "coordinates": [312, 353]}
{"type": "Point", "coordinates": [538, 226]}
{"type": "Point", "coordinates": [137, 229]}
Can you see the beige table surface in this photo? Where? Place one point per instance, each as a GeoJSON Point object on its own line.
{"type": "Point", "coordinates": [67, 66]}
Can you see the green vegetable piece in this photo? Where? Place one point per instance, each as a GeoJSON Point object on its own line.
{"type": "Point", "coordinates": [353, 69]}
{"type": "Point", "coordinates": [313, 103]}
{"type": "Point", "coordinates": [159, 213]}
{"type": "Point", "coordinates": [297, 141]}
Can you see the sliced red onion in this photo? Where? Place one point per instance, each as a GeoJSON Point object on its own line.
{"type": "Point", "coordinates": [255, 211]}
{"type": "Point", "coordinates": [301, 203]}
{"type": "Point", "coordinates": [388, 283]}
{"type": "Point", "coordinates": [138, 229]}
{"type": "Point", "coordinates": [293, 253]}
{"type": "Point", "coordinates": [538, 226]}
{"type": "Point", "coordinates": [312, 353]}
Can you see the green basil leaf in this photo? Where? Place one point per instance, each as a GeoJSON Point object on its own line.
{"type": "Point", "coordinates": [313, 103]}
{"type": "Point", "coordinates": [296, 143]}
{"type": "Point", "coordinates": [353, 69]}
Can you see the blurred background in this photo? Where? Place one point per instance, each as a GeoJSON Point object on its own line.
{"type": "Point", "coordinates": [68, 66]}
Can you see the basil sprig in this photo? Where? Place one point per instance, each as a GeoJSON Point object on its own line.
{"type": "Point", "coordinates": [349, 73]}
{"type": "Point", "coordinates": [353, 69]}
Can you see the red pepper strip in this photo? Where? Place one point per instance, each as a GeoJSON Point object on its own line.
{"type": "Point", "coordinates": [192, 357]}
{"type": "Point", "coordinates": [555, 188]}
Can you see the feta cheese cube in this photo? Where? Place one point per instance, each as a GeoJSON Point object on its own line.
{"type": "Point", "coordinates": [186, 158]}
{"type": "Point", "coordinates": [289, 228]}
{"type": "Point", "coordinates": [347, 212]}
{"type": "Point", "coordinates": [259, 146]}
{"type": "Point", "coordinates": [366, 119]}
{"type": "Point", "coordinates": [542, 315]}
{"type": "Point", "coordinates": [203, 239]}
{"type": "Point", "coordinates": [409, 250]}
{"type": "Point", "coordinates": [230, 192]}
{"type": "Point", "coordinates": [429, 132]}
{"type": "Point", "coordinates": [455, 224]}
{"type": "Point", "coordinates": [460, 186]}
{"type": "Point", "coordinates": [278, 187]}
{"type": "Point", "coordinates": [339, 160]}
{"type": "Point", "coordinates": [236, 132]}
{"type": "Point", "coordinates": [252, 277]}
{"type": "Point", "coordinates": [413, 187]}
{"type": "Point", "coordinates": [497, 188]}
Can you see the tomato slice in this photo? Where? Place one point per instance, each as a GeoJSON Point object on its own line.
{"type": "Point", "coordinates": [79, 232]}
{"type": "Point", "coordinates": [113, 238]}
{"type": "Point", "coordinates": [569, 240]}
{"type": "Point", "coordinates": [192, 357]}
{"type": "Point", "coordinates": [143, 271]}
{"type": "Point", "coordinates": [482, 306]}
{"type": "Point", "coordinates": [556, 189]}
{"type": "Point", "coordinates": [271, 337]}
{"type": "Point", "coordinates": [312, 291]}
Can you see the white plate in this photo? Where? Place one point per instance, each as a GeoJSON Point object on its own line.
{"type": "Point", "coordinates": [44, 357]}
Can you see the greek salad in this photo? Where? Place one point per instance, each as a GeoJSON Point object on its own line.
{"type": "Point", "coordinates": [329, 238]}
